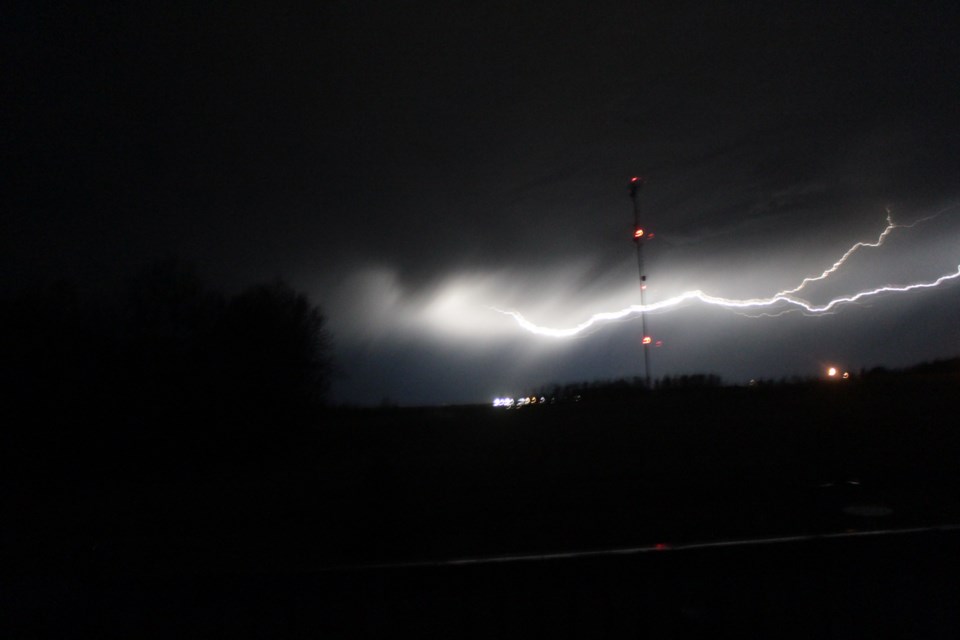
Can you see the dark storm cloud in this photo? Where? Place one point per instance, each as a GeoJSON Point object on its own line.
{"type": "Point", "coordinates": [399, 159]}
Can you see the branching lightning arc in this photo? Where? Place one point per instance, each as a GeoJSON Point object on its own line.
{"type": "Point", "coordinates": [784, 300]}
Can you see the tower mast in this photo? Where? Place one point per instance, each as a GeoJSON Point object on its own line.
{"type": "Point", "coordinates": [639, 236]}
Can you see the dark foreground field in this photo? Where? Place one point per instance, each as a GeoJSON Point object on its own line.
{"type": "Point", "coordinates": [289, 537]}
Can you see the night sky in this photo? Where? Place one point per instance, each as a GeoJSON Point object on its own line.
{"type": "Point", "coordinates": [412, 165]}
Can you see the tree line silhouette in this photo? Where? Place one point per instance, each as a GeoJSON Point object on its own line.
{"type": "Point", "coordinates": [162, 379]}
{"type": "Point", "coordinates": [628, 389]}
{"type": "Point", "coordinates": [165, 345]}
{"type": "Point", "coordinates": [625, 389]}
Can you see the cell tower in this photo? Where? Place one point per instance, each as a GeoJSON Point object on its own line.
{"type": "Point", "coordinates": [640, 235]}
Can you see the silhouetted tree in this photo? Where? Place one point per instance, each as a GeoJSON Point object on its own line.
{"type": "Point", "coordinates": [163, 353]}
{"type": "Point", "coordinates": [275, 348]}
{"type": "Point", "coordinates": [41, 346]}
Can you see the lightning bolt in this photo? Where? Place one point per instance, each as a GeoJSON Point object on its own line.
{"type": "Point", "coordinates": [891, 225]}
{"type": "Point", "coordinates": [785, 298]}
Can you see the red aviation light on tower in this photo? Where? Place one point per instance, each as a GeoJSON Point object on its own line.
{"type": "Point", "coordinates": [635, 183]}
{"type": "Point", "coordinates": [638, 233]}
{"type": "Point", "coordinates": [647, 339]}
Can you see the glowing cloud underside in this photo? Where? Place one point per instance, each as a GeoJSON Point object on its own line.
{"type": "Point", "coordinates": [781, 301]}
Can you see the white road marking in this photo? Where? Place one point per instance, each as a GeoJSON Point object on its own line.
{"type": "Point", "coordinates": [655, 548]}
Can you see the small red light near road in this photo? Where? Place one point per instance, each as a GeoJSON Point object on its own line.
{"type": "Point", "coordinates": [661, 546]}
